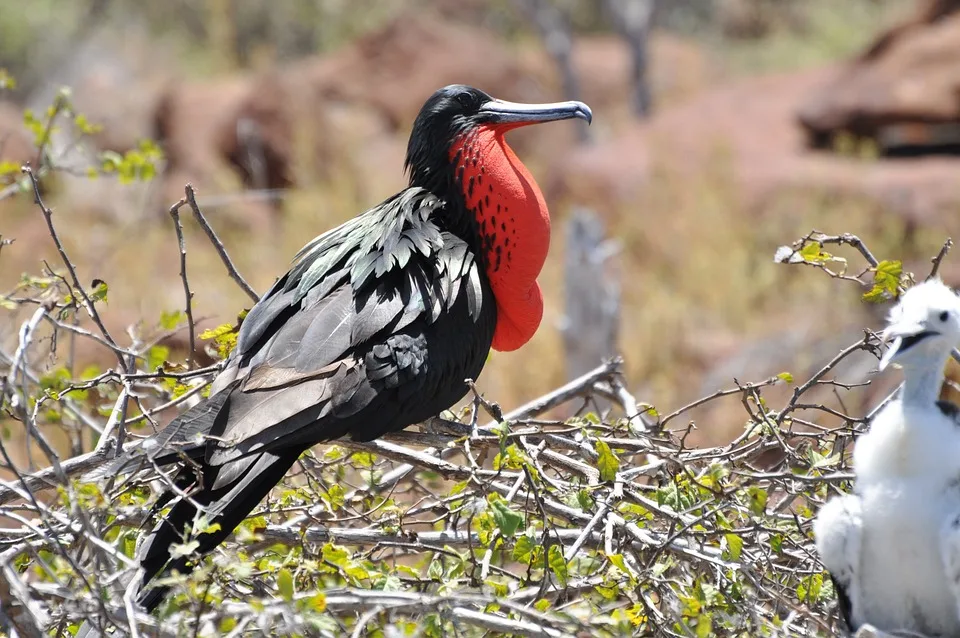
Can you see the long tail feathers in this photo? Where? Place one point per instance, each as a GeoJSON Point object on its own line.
{"type": "Point", "coordinates": [227, 505]}
{"type": "Point", "coordinates": [183, 435]}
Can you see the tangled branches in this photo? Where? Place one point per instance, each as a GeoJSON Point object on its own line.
{"type": "Point", "coordinates": [603, 522]}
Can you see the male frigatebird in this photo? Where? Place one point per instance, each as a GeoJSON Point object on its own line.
{"type": "Point", "coordinates": [375, 327]}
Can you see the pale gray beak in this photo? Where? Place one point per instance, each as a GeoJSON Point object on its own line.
{"type": "Point", "coordinates": [503, 112]}
{"type": "Point", "coordinates": [900, 337]}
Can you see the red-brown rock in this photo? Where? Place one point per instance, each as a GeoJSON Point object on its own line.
{"type": "Point", "coordinates": [747, 128]}
{"type": "Point", "coordinates": [904, 91]}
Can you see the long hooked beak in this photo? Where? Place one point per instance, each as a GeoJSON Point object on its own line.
{"type": "Point", "coordinates": [503, 112]}
{"type": "Point", "coordinates": [902, 336]}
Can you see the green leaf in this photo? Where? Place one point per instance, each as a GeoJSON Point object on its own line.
{"type": "Point", "coordinates": [285, 584]}
{"type": "Point", "coordinates": [317, 603]}
{"type": "Point", "coordinates": [499, 589]}
{"type": "Point", "coordinates": [170, 320]}
{"type": "Point", "coordinates": [523, 549]}
{"type": "Point", "coordinates": [335, 496]}
{"type": "Point", "coordinates": [203, 526]}
{"type": "Point", "coordinates": [786, 377]}
{"type": "Point", "coordinates": [542, 605]}
{"type": "Point", "coordinates": [758, 499]}
{"type": "Point", "coordinates": [826, 461]}
{"type": "Point", "coordinates": [99, 292]}
{"type": "Point", "coordinates": [557, 564]}
{"type": "Point", "coordinates": [157, 356]}
{"type": "Point", "coordinates": [363, 459]}
{"type": "Point", "coordinates": [617, 559]}
{"type": "Point", "coordinates": [335, 555]}
{"type": "Point", "coordinates": [886, 281]}
{"type": "Point", "coordinates": [85, 126]}
{"type": "Point", "coordinates": [609, 590]}
{"type": "Point", "coordinates": [224, 335]}
{"type": "Point", "coordinates": [809, 588]}
{"type": "Point", "coordinates": [636, 614]}
{"type": "Point", "coordinates": [608, 463]}
{"type": "Point", "coordinates": [219, 331]}
{"type": "Point", "coordinates": [813, 252]}
{"type": "Point", "coordinates": [649, 410]}
{"type": "Point", "coordinates": [435, 571]}
{"type": "Point", "coordinates": [888, 274]}
{"type": "Point", "coordinates": [506, 519]}
{"type": "Point", "coordinates": [734, 546]}
{"type": "Point", "coordinates": [776, 543]}
{"type": "Point", "coordinates": [704, 626]}
{"type": "Point", "coordinates": [585, 500]}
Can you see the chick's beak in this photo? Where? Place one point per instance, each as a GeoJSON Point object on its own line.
{"type": "Point", "coordinates": [900, 337]}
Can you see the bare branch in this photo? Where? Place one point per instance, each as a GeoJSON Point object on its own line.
{"type": "Point", "coordinates": [224, 257]}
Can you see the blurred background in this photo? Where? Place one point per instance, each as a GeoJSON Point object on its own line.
{"type": "Point", "coordinates": [722, 130]}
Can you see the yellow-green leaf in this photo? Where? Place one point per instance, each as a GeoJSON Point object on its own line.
{"type": "Point", "coordinates": [636, 614]}
{"type": "Point", "coordinates": [813, 252]}
{"type": "Point", "coordinates": [734, 546]}
{"type": "Point", "coordinates": [758, 499]}
{"type": "Point", "coordinates": [557, 564]}
{"type": "Point", "coordinates": [886, 281]}
{"type": "Point", "coordinates": [506, 519]}
{"type": "Point", "coordinates": [704, 626]}
{"type": "Point", "coordinates": [617, 559]}
{"type": "Point", "coordinates": [608, 463]}
{"type": "Point", "coordinates": [285, 584]}
{"type": "Point", "coordinates": [523, 549]}
{"type": "Point", "coordinates": [170, 320]}
{"type": "Point", "coordinates": [317, 603]}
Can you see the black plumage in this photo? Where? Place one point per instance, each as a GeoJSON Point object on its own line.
{"type": "Point", "coordinates": [374, 328]}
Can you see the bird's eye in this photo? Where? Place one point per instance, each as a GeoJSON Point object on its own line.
{"type": "Point", "coordinates": [465, 100]}
{"type": "Point", "coordinates": [944, 315]}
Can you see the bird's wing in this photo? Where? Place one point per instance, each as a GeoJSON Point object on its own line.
{"type": "Point", "coordinates": [838, 530]}
{"type": "Point", "coordinates": [330, 335]}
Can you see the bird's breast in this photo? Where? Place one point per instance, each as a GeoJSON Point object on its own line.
{"type": "Point", "coordinates": [907, 443]}
{"type": "Point", "coordinates": [513, 224]}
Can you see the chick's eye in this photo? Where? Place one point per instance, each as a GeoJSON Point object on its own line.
{"type": "Point", "coordinates": [944, 315]}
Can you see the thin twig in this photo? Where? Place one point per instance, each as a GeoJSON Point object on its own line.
{"type": "Point", "coordinates": [181, 243]}
{"type": "Point", "coordinates": [224, 257]}
{"type": "Point", "coordinates": [938, 259]}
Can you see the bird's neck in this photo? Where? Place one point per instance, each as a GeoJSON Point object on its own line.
{"type": "Point", "coordinates": [922, 381]}
{"type": "Point", "coordinates": [513, 227]}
